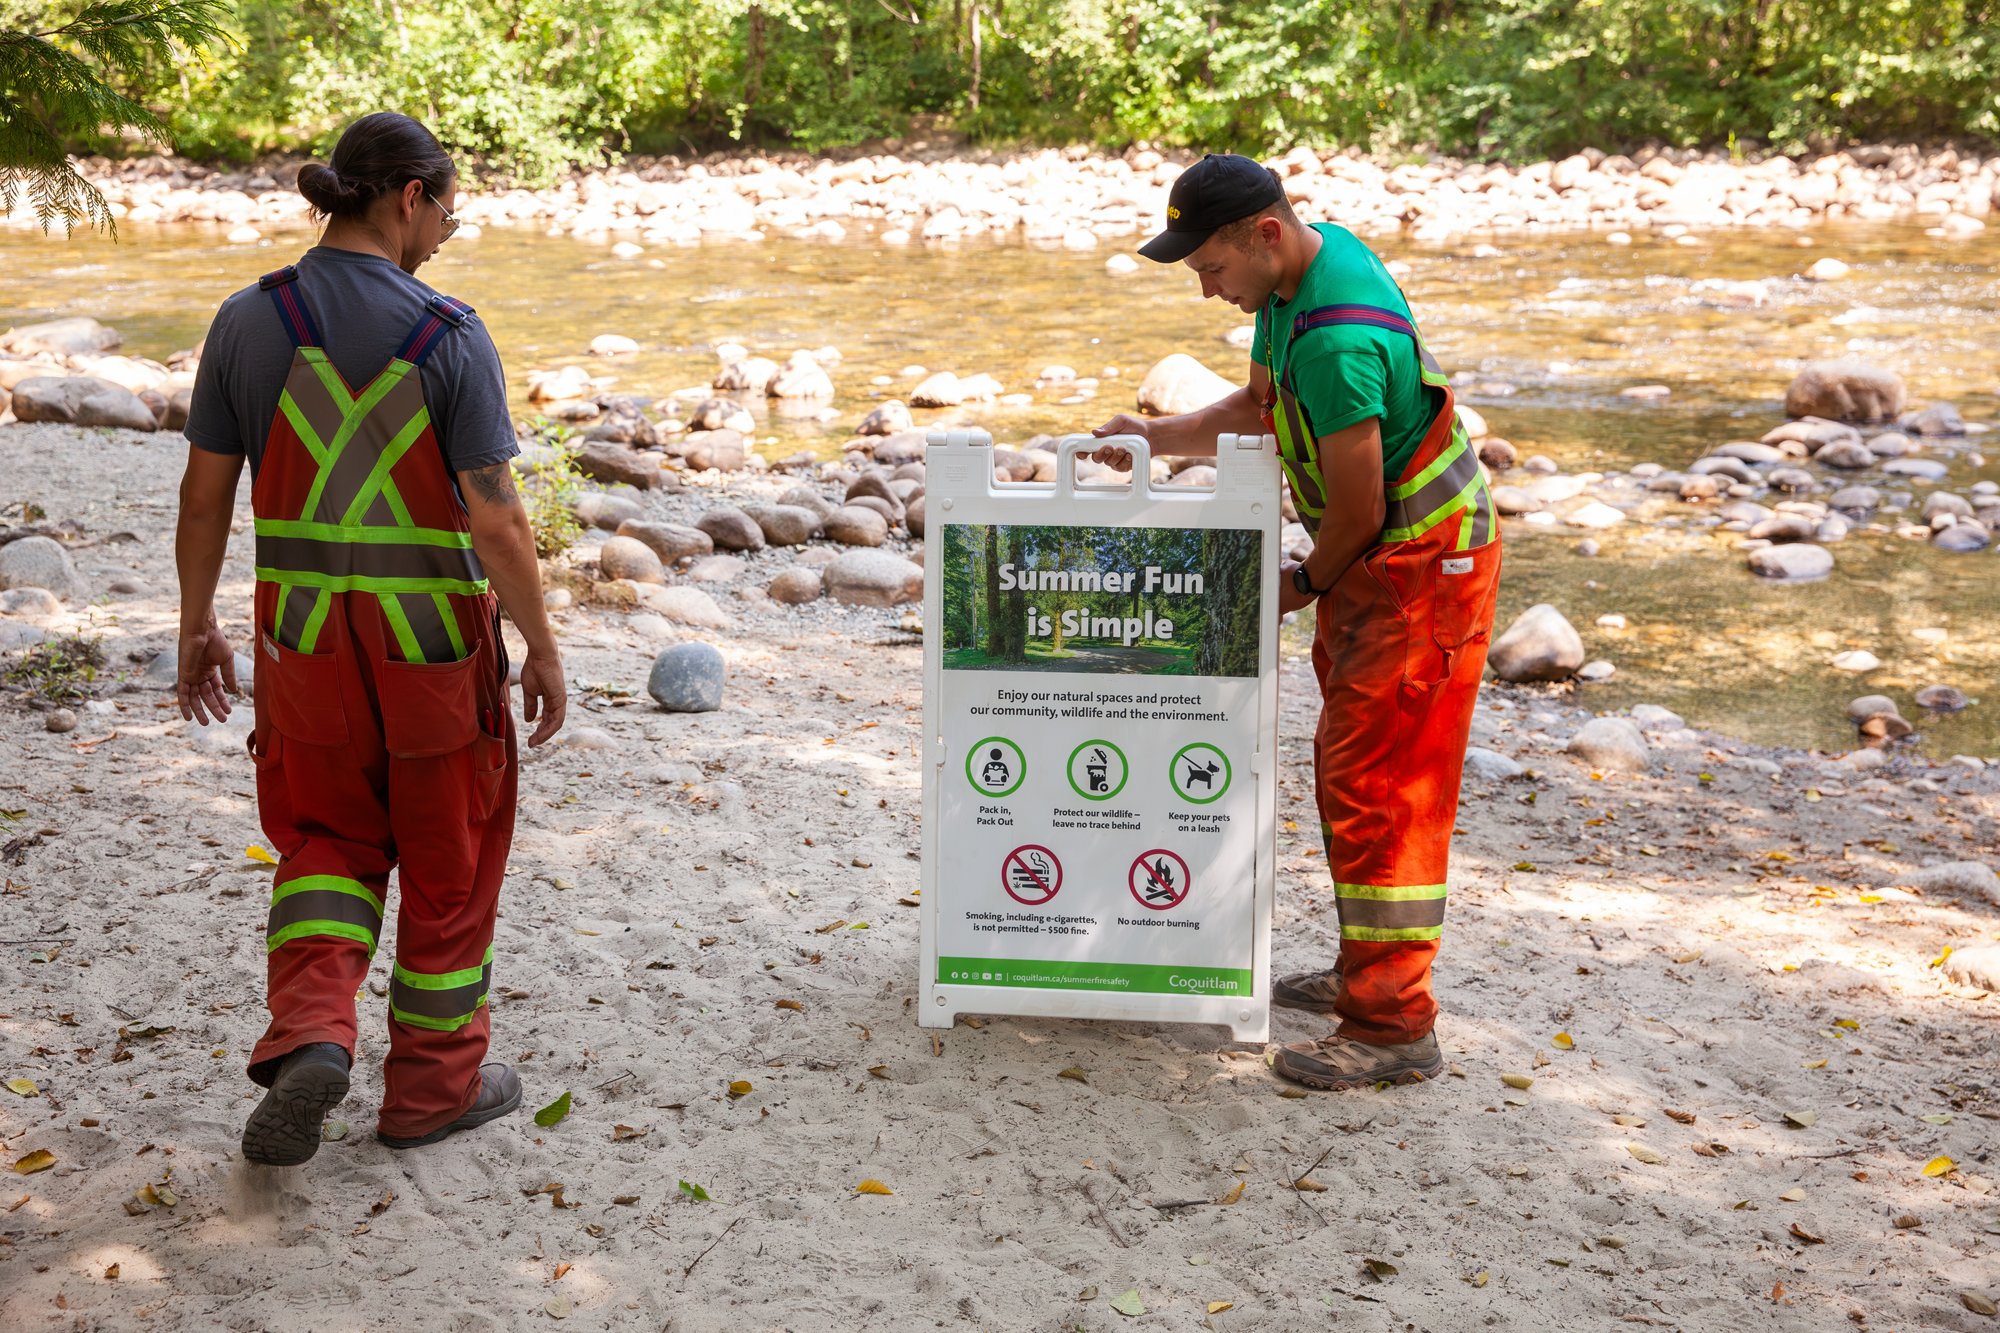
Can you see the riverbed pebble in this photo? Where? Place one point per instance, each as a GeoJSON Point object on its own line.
{"type": "Point", "coordinates": [1795, 562]}
{"type": "Point", "coordinates": [688, 678]}
{"type": "Point", "coordinates": [39, 562]}
{"type": "Point", "coordinates": [1541, 644]}
{"type": "Point", "coordinates": [1613, 744]}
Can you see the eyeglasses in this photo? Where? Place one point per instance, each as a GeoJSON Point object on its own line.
{"type": "Point", "coordinates": [450, 219]}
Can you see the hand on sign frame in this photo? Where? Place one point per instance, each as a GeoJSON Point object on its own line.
{"type": "Point", "coordinates": [206, 677]}
{"type": "Point", "coordinates": [1122, 424]}
{"type": "Point", "coordinates": [1290, 598]}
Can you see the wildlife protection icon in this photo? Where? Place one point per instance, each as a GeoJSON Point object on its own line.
{"type": "Point", "coordinates": [1097, 770]}
{"type": "Point", "coordinates": [1199, 773]}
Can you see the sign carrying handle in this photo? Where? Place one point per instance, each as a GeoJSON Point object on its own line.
{"type": "Point", "coordinates": [1067, 449]}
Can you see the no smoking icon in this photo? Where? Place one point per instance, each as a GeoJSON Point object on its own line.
{"type": "Point", "coordinates": [1031, 875]}
{"type": "Point", "coordinates": [1159, 879]}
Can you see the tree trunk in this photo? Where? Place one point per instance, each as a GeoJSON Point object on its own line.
{"type": "Point", "coordinates": [996, 636]}
{"type": "Point", "coordinates": [753, 79]}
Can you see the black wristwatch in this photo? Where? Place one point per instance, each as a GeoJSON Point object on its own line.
{"type": "Point", "coordinates": [1303, 585]}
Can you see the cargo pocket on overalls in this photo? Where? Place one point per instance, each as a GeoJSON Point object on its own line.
{"type": "Point", "coordinates": [430, 709]}
{"type": "Point", "coordinates": [489, 765]}
{"type": "Point", "coordinates": [302, 692]}
{"type": "Point", "coordinates": [1459, 617]}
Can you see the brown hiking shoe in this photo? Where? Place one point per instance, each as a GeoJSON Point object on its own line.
{"type": "Point", "coordinates": [1335, 1064]}
{"type": "Point", "coordinates": [499, 1093]}
{"type": "Point", "coordinates": [1311, 991]}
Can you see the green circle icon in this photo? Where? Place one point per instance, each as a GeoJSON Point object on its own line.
{"type": "Point", "coordinates": [1099, 760]}
{"type": "Point", "coordinates": [996, 767]}
{"type": "Point", "coordinates": [1199, 767]}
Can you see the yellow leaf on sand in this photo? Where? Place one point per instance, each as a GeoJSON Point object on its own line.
{"type": "Point", "coordinates": [1217, 1307]}
{"type": "Point", "coordinates": [1847, 1023]}
{"type": "Point", "coordinates": [259, 854]}
{"type": "Point", "coordinates": [872, 1187]}
{"type": "Point", "coordinates": [1939, 960]}
{"type": "Point", "coordinates": [41, 1159]}
{"type": "Point", "coordinates": [1232, 1196]}
{"type": "Point", "coordinates": [1644, 1154]}
{"type": "Point", "coordinates": [1937, 1166]}
{"type": "Point", "coordinates": [1815, 1064]}
{"type": "Point", "coordinates": [1307, 1185]}
{"type": "Point", "coordinates": [1481, 1278]}
{"type": "Point", "coordinates": [1690, 956]}
{"type": "Point", "coordinates": [1793, 1195]}
{"type": "Point", "coordinates": [740, 1088]}
{"type": "Point", "coordinates": [1521, 1081]}
{"type": "Point", "coordinates": [24, 1087]}
{"type": "Point", "coordinates": [1562, 1041]}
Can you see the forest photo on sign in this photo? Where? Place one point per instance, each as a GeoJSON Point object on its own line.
{"type": "Point", "coordinates": [1148, 601]}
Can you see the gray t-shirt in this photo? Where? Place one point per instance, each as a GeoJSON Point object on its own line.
{"type": "Point", "coordinates": [364, 307]}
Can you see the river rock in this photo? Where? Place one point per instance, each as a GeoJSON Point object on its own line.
{"type": "Point", "coordinates": [1596, 515]}
{"type": "Point", "coordinates": [1856, 500]}
{"type": "Point", "coordinates": [913, 517]}
{"type": "Point", "coordinates": [1977, 965]}
{"type": "Point", "coordinates": [1860, 709]}
{"type": "Point", "coordinates": [802, 378]}
{"type": "Point", "coordinates": [795, 587]}
{"type": "Point", "coordinates": [1923, 469]}
{"type": "Point", "coordinates": [76, 336]}
{"type": "Point", "coordinates": [81, 400]}
{"type": "Point", "coordinates": [1590, 673]}
{"type": "Point", "coordinates": [60, 720]}
{"type": "Point", "coordinates": [1892, 444]}
{"type": "Point", "coordinates": [1554, 490]}
{"type": "Point", "coordinates": [905, 446]}
{"type": "Point", "coordinates": [1750, 451]}
{"type": "Point", "coordinates": [1967, 877]}
{"type": "Point", "coordinates": [1963, 536]}
{"type": "Point", "coordinates": [1613, 743]}
{"type": "Point", "coordinates": [890, 511]}
{"type": "Point", "coordinates": [671, 542]}
{"type": "Point", "coordinates": [887, 418]}
{"type": "Point", "coordinates": [601, 460]}
{"type": "Point", "coordinates": [1784, 528]}
{"type": "Point", "coordinates": [1847, 454]}
{"type": "Point", "coordinates": [718, 569]}
{"type": "Point", "coordinates": [874, 578]}
{"type": "Point", "coordinates": [752, 374]}
{"type": "Point", "coordinates": [1497, 454]}
{"type": "Point", "coordinates": [1723, 465]}
{"type": "Point", "coordinates": [1489, 765]}
{"type": "Point", "coordinates": [682, 605]}
{"type": "Point", "coordinates": [1795, 562]}
{"type": "Point", "coordinates": [556, 386]}
{"type": "Point", "coordinates": [1746, 512]}
{"type": "Point", "coordinates": [1179, 383]}
{"type": "Point", "coordinates": [1703, 487]}
{"type": "Point", "coordinates": [1540, 645]}
{"type": "Point", "coordinates": [1937, 419]}
{"type": "Point", "coordinates": [629, 558]}
{"type": "Point", "coordinates": [688, 678]}
{"type": "Point", "coordinates": [856, 525]}
{"type": "Point", "coordinates": [595, 509]}
{"type": "Point", "coordinates": [731, 529]}
{"type": "Point", "coordinates": [803, 496]}
{"type": "Point", "coordinates": [39, 562]}
{"type": "Point", "coordinates": [1857, 660]}
{"type": "Point", "coordinates": [1942, 699]}
{"type": "Point", "coordinates": [1845, 391]}
{"type": "Point", "coordinates": [32, 602]}
{"type": "Point", "coordinates": [1795, 480]}
{"type": "Point", "coordinates": [1833, 528]}
{"type": "Point", "coordinates": [1827, 269]}
{"type": "Point", "coordinates": [718, 413]}
{"type": "Point", "coordinates": [939, 390]}
{"type": "Point", "coordinates": [1468, 417]}
{"type": "Point", "coordinates": [1815, 433]}
{"type": "Point", "coordinates": [612, 344]}
{"type": "Point", "coordinates": [784, 525]}
{"type": "Point", "coordinates": [1652, 717]}
{"type": "Point", "coordinates": [1944, 502]}
{"type": "Point", "coordinates": [1540, 464]}
{"type": "Point", "coordinates": [722, 450]}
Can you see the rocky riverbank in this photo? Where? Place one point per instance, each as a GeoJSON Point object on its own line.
{"type": "Point", "coordinates": [1718, 1015]}
{"type": "Point", "coordinates": [1080, 200]}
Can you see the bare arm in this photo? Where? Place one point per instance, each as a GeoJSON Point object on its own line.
{"type": "Point", "coordinates": [505, 545]}
{"type": "Point", "coordinates": [201, 537]}
{"type": "Point", "coordinates": [1192, 434]}
{"type": "Point", "coordinates": [1356, 507]}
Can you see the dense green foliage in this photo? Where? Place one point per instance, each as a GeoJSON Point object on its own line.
{"type": "Point", "coordinates": [60, 81]}
{"type": "Point", "coordinates": [533, 85]}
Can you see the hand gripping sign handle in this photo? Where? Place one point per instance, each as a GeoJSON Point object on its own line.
{"type": "Point", "coordinates": [1138, 446]}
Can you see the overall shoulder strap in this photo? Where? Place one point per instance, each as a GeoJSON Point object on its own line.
{"type": "Point", "coordinates": [292, 312]}
{"type": "Point", "coordinates": [441, 315]}
{"type": "Point", "coordinates": [1371, 316]}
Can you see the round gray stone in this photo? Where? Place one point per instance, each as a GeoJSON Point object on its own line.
{"type": "Point", "coordinates": [795, 587]}
{"type": "Point", "coordinates": [39, 562]}
{"type": "Point", "coordinates": [1612, 743]}
{"type": "Point", "coordinates": [784, 525]}
{"type": "Point", "coordinates": [1795, 562]}
{"type": "Point", "coordinates": [852, 525]}
{"type": "Point", "coordinates": [688, 678]}
{"type": "Point", "coordinates": [670, 541]}
{"type": "Point", "coordinates": [731, 529]}
{"type": "Point", "coordinates": [1541, 644]}
{"type": "Point", "coordinates": [874, 578]}
{"type": "Point", "coordinates": [629, 558]}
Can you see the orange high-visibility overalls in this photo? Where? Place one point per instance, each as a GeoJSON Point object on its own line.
{"type": "Point", "coordinates": [383, 733]}
{"type": "Point", "coordinates": [1399, 649]}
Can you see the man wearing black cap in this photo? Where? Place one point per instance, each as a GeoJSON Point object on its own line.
{"type": "Point", "coordinates": [1404, 568]}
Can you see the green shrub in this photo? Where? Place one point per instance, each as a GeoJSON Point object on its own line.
{"type": "Point", "coordinates": [550, 486]}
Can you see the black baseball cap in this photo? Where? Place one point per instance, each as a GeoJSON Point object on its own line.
{"type": "Point", "coordinates": [1220, 189]}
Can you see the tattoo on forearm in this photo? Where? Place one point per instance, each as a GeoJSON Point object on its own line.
{"type": "Point", "coordinates": [495, 484]}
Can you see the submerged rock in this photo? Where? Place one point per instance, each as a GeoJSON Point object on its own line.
{"type": "Point", "coordinates": [1845, 391]}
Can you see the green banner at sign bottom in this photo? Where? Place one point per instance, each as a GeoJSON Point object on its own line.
{"type": "Point", "coordinates": [1146, 978]}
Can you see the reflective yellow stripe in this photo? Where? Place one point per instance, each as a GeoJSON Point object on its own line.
{"type": "Point", "coordinates": [1382, 934]}
{"type": "Point", "coordinates": [1438, 466]}
{"type": "Point", "coordinates": [1389, 892]}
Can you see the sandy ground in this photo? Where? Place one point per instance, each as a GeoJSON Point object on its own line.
{"type": "Point", "coordinates": [1724, 953]}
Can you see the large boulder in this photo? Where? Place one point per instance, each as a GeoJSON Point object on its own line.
{"type": "Point", "coordinates": [77, 336]}
{"type": "Point", "coordinates": [1845, 391]}
{"type": "Point", "coordinates": [1612, 743]}
{"type": "Point", "coordinates": [723, 450]}
{"type": "Point", "coordinates": [873, 578]}
{"type": "Point", "coordinates": [38, 562]}
{"type": "Point", "coordinates": [795, 587]}
{"type": "Point", "coordinates": [1795, 562]}
{"type": "Point", "coordinates": [669, 541]}
{"type": "Point", "coordinates": [81, 400]}
{"type": "Point", "coordinates": [1179, 383]}
{"type": "Point", "coordinates": [802, 377]}
{"type": "Point", "coordinates": [1540, 645]}
{"type": "Point", "coordinates": [938, 390]}
{"type": "Point", "coordinates": [688, 678]}
{"type": "Point", "coordinates": [856, 525]}
{"type": "Point", "coordinates": [784, 525]}
{"type": "Point", "coordinates": [731, 529]}
{"type": "Point", "coordinates": [629, 558]}
{"type": "Point", "coordinates": [752, 374]}
{"type": "Point", "coordinates": [682, 605]}
{"type": "Point", "coordinates": [887, 418]}
{"type": "Point", "coordinates": [601, 460]}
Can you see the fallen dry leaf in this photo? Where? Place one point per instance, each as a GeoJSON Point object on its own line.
{"type": "Point", "coordinates": [1937, 1166]}
{"type": "Point", "coordinates": [789, 1004]}
{"type": "Point", "coordinates": [619, 1133]}
{"type": "Point", "coordinates": [1481, 1278]}
{"type": "Point", "coordinates": [1644, 1154]}
{"type": "Point", "coordinates": [1379, 1269]}
{"type": "Point", "coordinates": [41, 1159]}
{"type": "Point", "coordinates": [1562, 1041]}
{"type": "Point", "coordinates": [1793, 1195]}
{"type": "Point", "coordinates": [739, 1088]}
{"type": "Point", "coordinates": [1907, 1221]}
{"type": "Point", "coordinates": [1073, 1073]}
{"type": "Point", "coordinates": [1685, 1117]}
{"type": "Point", "coordinates": [872, 1187]}
{"type": "Point", "coordinates": [1307, 1185]}
{"type": "Point", "coordinates": [1978, 1303]}
{"type": "Point", "coordinates": [1802, 1234]}
{"type": "Point", "coordinates": [23, 1087]}
{"type": "Point", "coordinates": [112, 1272]}
{"type": "Point", "coordinates": [1217, 1307]}
{"type": "Point", "coordinates": [561, 1269]}
{"type": "Point", "coordinates": [1521, 1081]}
{"type": "Point", "coordinates": [1802, 1119]}
{"type": "Point", "coordinates": [381, 1205]}
{"type": "Point", "coordinates": [1232, 1196]}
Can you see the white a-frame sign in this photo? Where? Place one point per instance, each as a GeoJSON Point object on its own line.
{"type": "Point", "coordinates": [1100, 711]}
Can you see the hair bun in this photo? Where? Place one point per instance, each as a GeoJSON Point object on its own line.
{"type": "Point", "coordinates": [324, 188]}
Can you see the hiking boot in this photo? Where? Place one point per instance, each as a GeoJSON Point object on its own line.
{"type": "Point", "coordinates": [284, 1130]}
{"type": "Point", "coordinates": [499, 1093]}
{"type": "Point", "coordinates": [1311, 991]}
{"type": "Point", "coordinates": [1335, 1064]}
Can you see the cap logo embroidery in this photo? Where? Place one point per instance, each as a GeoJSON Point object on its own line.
{"type": "Point", "coordinates": [1173, 212]}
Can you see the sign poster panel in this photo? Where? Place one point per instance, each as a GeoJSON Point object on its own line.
{"type": "Point", "coordinates": [1100, 698]}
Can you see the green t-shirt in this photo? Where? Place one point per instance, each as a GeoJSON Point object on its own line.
{"type": "Point", "coordinates": [1344, 373]}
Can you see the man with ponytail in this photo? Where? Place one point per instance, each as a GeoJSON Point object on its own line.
{"type": "Point", "coordinates": [372, 411]}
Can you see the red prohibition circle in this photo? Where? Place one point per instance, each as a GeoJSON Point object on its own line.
{"type": "Point", "coordinates": [1015, 863]}
{"type": "Point", "coordinates": [1152, 885]}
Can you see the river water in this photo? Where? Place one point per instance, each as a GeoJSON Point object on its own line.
{"type": "Point", "coordinates": [1565, 320]}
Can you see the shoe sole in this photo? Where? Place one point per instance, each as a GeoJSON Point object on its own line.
{"type": "Point", "coordinates": [470, 1120]}
{"type": "Point", "coordinates": [285, 1128]}
{"type": "Point", "coordinates": [1402, 1072]}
